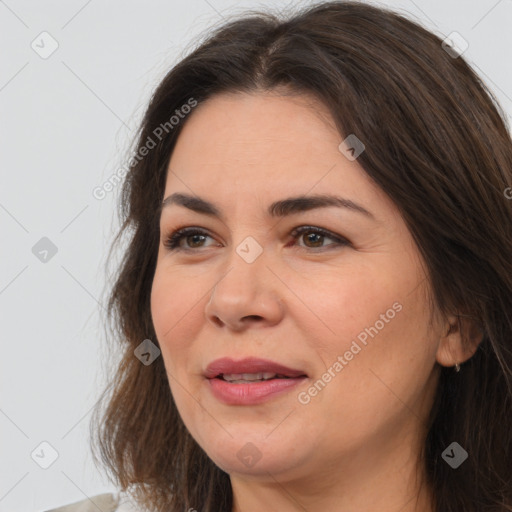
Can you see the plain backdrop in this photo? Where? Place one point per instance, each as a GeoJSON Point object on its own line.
{"type": "Point", "coordinates": [66, 121]}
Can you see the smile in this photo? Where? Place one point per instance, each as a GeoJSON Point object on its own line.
{"type": "Point", "coordinates": [250, 381]}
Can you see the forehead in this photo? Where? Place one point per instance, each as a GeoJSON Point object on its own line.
{"type": "Point", "coordinates": [263, 145]}
{"type": "Point", "coordinates": [259, 126]}
{"type": "Point", "coordinates": [259, 134]}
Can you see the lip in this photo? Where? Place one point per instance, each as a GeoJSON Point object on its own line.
{"type": "Point", "coordinates": [250, 393]}
{"type": "Point", "coordinates": [249, 365]}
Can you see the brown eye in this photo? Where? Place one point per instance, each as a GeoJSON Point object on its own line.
{"type": "Point", "coordinates": [193, 236]}
{"type": "Point", "coordinates": [314, 237]}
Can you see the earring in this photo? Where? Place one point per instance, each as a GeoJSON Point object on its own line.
{"type": "Point", "coordinates": [457, 367]}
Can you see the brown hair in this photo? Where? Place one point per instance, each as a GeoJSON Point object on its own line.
{"type": "Point", "coordinates": [437, 142]}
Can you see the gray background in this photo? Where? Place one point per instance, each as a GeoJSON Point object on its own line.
{"type": "Point", "coordinates": [66, 122]}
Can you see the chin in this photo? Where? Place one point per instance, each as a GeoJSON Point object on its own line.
{"type": "Point", "coordinates": [254, 455]}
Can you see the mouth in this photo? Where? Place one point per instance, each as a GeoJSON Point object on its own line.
{"type": "Point", "coordinates": [250, 381]}
{"type": "Point", "coordinates": [250, 370]}
{"type": "Point", "coordinates": [244, 378]}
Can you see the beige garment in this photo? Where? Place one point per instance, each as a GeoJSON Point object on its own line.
{"type": "Point", "coordinates": [108, 502]}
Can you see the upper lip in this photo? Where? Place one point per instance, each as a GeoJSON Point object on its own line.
{"type": "Point", "coordinates": [249, 365]}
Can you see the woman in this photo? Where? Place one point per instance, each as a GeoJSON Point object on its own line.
{"type": "Point", "coordinates": [314, 307]}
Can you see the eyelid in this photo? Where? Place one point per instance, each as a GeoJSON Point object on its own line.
{"type": "Point", "coordinates": [299, 230]}
{"type": "Point", "coordinates": [181, 233]}
{"type": "Point", "coordinates": [172, 240]}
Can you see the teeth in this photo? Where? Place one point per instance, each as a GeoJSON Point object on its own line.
{"type": "Point", "coordinates": [245, 377]}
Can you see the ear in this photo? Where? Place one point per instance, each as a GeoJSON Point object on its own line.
{"type": "Point", "coordinates": [462, 338]}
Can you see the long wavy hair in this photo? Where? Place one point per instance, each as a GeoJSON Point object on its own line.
{"type": "Point", "coordinates": [439, 147]}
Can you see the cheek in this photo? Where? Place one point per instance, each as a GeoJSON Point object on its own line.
{"type": "Point", "coordinates": [174, 297]}
{"type": "Point", "coordinates": [377, 319]}
{"type": "Point", "coordinates": [172, 310]}
{"type": "Point", "coordinates": [177, 312]}
{"type": "Point", "coordinates": [381, 355]}
{"type": "Point", "coordinates": [340, 303]}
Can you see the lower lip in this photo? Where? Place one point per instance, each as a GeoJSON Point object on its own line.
{"type": "Point", "coordinates": [251, 393]}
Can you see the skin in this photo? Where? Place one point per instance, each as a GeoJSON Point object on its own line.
{"type": "Point", "coordinates": [302, 302]}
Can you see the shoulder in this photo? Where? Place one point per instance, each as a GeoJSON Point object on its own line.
{"type": "Point", "coordinates": [108, 502]}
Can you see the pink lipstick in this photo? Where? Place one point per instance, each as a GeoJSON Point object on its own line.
{"type": "Point", "coordinates": [250, 381]}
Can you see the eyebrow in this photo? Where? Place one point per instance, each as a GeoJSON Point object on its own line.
{"type": "Point", "coordinates": [280, 208]}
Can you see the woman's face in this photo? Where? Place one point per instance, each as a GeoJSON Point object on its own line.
{"type": "Point", "coordinates": [346, 310]}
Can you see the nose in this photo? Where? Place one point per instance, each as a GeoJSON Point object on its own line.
{"type": "Point", "coordinates": [247, 295]}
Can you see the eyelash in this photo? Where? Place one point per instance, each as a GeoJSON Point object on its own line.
{"type": "Point", "coordinates": [172, 241]}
